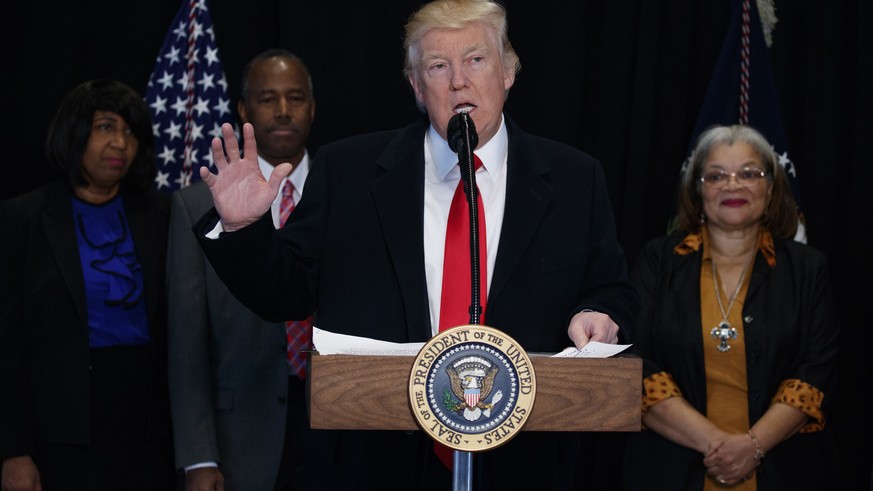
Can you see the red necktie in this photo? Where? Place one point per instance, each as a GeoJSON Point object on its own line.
{"type": "Point", "coordinates": [457, 289]}
{"type": "Point", "coordinates": [456, 293]}
{"type": "Point", "coordinates": [297, 333]}
{"type": "Point", "coordinates": [286, 206]}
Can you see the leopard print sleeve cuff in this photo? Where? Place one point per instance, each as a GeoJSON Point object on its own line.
{"type": "Point", "coordinates": [659, 386]}
{"type": "Point", "coordinates": [805, 397]}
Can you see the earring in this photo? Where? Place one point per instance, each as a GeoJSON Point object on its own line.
{"type": "Point", "coordinates": [702, 218]}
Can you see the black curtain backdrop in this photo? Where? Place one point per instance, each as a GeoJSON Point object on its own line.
{"type": "Point", "coordinates": [622, 80]}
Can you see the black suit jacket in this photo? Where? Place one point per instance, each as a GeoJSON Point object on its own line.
{"type": "Point", "coordinates": [44, 353]}
{"type": "Point", "coordinates": [790, 330]}
{"type": "Point", "coordinates": [353, 250]}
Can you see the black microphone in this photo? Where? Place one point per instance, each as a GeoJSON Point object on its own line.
{"type": "Point", "coordinates": [462, 133]}
{"type": "Point", "coordinates": [463, 139]}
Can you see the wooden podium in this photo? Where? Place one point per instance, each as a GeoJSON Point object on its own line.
{"type": "Point", "coordinates": [356, 392]}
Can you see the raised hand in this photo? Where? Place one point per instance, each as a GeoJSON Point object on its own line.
{"type": "Point", "coordinates": [239, 191]}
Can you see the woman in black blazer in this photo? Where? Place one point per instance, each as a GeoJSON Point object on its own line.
{"type": "Point", "coordinates": [738, 334]}
{"type": "Point", "coordinates": [82, 318]}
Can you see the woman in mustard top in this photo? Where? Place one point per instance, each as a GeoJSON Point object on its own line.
{"type": "Point", "coordinates": [737, 332]}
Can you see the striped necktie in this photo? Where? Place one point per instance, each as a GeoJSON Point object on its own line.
{"type": "Point", "coordinates": [298, 334]}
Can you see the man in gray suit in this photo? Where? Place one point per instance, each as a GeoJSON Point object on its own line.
{"type": "Point", "coordinates": [230, 387]}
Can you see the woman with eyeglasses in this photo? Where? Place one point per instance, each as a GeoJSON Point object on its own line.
{"type": "Point", "coordinates": [738, 333]}
{"type": "Point", "coordinates": [84, 404]}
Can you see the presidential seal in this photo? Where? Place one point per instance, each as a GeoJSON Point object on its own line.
{"type": "Point", "coordinates": [472, 388]}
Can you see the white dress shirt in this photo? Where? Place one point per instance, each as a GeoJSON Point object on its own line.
{"type": "Point", "coordinates": [297, 178]}
{"type": "Point", "coordinates": [441, 176]}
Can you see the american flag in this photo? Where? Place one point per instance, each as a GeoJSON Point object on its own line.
{"type": "Point", "coordinates": [187, 95]}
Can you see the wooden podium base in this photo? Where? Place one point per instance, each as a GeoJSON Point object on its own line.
{"type": "Point", "coordinates": [354, 392]}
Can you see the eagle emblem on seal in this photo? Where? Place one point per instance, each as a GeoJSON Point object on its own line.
{"type": "Point", "coordinates": [472, 379]}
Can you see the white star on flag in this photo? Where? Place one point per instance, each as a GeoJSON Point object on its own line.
{"type": "Point", "coordinates": [742, 89]}
{"type": "Point", "coordinates": [187, 96]}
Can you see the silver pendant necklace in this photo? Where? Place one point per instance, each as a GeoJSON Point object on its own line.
{"type": "Point", "coordinates": [724, 330]}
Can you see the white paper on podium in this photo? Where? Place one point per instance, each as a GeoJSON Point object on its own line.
{"type": "Point", "coordinates": [330, 343]}
{"type": "Point", "coordinates": [594, 349]}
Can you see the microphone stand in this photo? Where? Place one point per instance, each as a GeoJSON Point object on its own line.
{"type": "Point", "coordinates": [463, 140]}
{"type": "Point", "coordinates": [471, 191]}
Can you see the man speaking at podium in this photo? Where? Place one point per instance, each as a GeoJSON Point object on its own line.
{"type": "Point", "coordinates": [365, 246]}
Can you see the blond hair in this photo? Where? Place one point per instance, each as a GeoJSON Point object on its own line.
{"type": "Point", "coordinates": [456, 14]}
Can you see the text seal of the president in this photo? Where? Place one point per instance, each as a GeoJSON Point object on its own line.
{"type": "Point", "coordinates": [472, 388]}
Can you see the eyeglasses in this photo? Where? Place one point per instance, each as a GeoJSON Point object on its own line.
{"type": "Point", "coordinates": [745, 177]}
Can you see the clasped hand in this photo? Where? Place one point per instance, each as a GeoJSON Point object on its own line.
{"type": "Point", "coordinates": [731, 460]}
{"type": "Point", "coordinates": [239, 191]}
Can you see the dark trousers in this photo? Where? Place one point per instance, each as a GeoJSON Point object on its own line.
{"type": "Point", "coordinates": [122, 453]}
{"type": "Point", "coordinates": [291, 475]}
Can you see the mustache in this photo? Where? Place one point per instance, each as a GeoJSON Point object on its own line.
{"type": "Point", "coordinates": [286, 127]}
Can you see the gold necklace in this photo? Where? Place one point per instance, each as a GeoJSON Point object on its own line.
{"type": "Point", "coordinates": [724, 330]}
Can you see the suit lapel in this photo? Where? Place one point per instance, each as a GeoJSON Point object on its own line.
{"type": "Point", "coordinates": [399, 198]}
{"type": "Point", "coordinates": [59, 227]}
{"type": "Point", "coordinates": [528, 195]}
{"type": "Point", "coordinates": [144, 232]}
{"type": "Point", "coordinates": [686, 305]}
{"type": "Point", "coordinates": [400, 206]}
